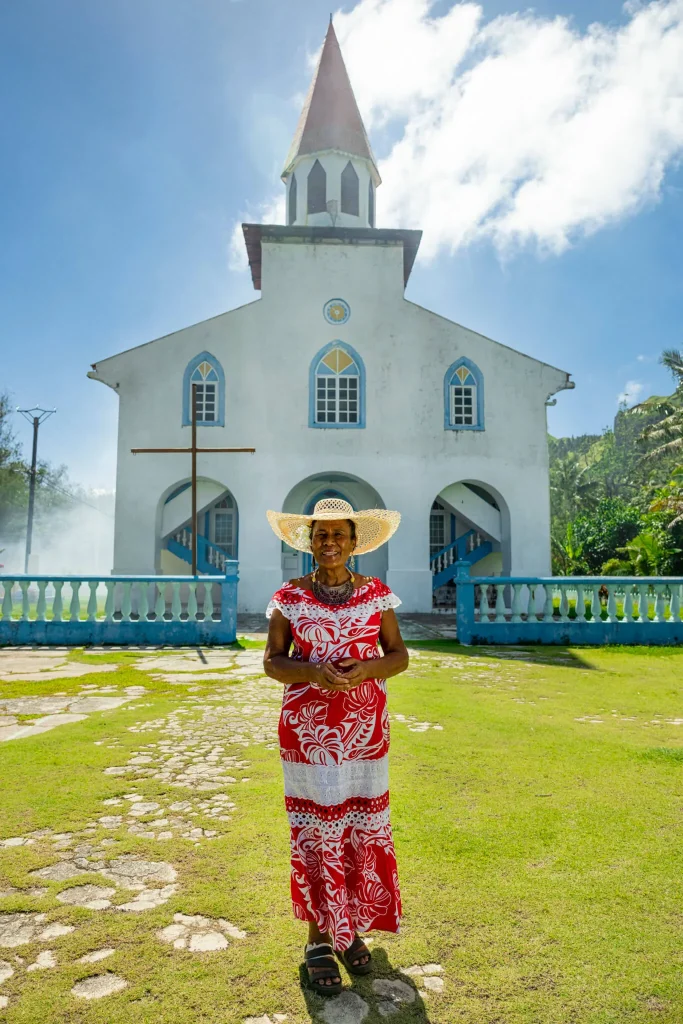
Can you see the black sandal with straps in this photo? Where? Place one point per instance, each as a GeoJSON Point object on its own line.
{"type": "Point", "coordinates": [356, 950]}
{"type": "Point", "coordinates": [320, 964]}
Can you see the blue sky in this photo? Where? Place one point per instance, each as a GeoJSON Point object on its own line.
{"type": "Point", "coordinates": [137, 133]}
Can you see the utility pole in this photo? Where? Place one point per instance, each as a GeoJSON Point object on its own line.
{"type": "Point", "coordinates": [35, 416]}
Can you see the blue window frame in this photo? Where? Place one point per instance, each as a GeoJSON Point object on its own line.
{"type": "Point", "coordinates": [463, 396]}
{"type": "Point", "coordinates": [207, 373]}
{"type": "Point", "coordinates": [337, 388]}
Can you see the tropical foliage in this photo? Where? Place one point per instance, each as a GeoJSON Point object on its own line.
{"type": "Point", "coordinates": [617, 497]}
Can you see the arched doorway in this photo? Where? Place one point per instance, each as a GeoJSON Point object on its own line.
{"type": "Point", "coordinates": [468, 522]}
{"type": "Point", "coordinates": [217, 533]}
{"type": "Point", "coordinates": [303, 497]}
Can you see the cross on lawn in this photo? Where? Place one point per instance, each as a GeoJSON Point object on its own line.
{"type": "Point", "coordinates": [193, 450]}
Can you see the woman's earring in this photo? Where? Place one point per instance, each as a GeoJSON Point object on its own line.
{"type": "Point", "coordinates": [353, 562]}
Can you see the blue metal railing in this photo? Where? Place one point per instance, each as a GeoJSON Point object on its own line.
{"type": "Point", "coordinates": [470, 547]}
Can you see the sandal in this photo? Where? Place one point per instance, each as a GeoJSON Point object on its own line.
{"type": "Point", "coordinates": [356, 950]}
{"type": "Point", "coordinates": [320, 964]}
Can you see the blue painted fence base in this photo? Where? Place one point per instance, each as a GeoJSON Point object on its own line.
{"type": "Point", "coordinates": [536, 610]}
{"type": "Point", "coordinates": [175, 611]}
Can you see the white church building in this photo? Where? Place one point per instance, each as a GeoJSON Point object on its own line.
{"type": "Point", "coordinates": [344, 388]}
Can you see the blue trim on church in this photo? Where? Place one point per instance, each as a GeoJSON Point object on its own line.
{"type": "Point", "coordinates": [448, 380]}
{"type": "Point", "coordinates": [220, 405]}
{"type": "Point", "coordinates": [312, 373]}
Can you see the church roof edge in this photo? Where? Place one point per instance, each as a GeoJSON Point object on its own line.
{"type": "Point", "coordinates": [255, 233]}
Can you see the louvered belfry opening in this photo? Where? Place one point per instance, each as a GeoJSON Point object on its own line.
{"type": "Point", "coordinates": [291, 207]}
{"type": "Point", "coordinates": [349, 190]}
{"type": "Point", "coordinates": [317, 189]}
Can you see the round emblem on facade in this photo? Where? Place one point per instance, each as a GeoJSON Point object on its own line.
{"type": "Point", "coordinates": [336, 311]}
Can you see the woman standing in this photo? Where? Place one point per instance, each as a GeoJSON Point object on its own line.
{"type": "Point", "coordinates": [334, 734]}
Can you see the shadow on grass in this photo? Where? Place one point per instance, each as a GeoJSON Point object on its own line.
{"type": "Point", "coordinates": [534, 655]}
{"type": "Point", "coordinates": [347, 1008]}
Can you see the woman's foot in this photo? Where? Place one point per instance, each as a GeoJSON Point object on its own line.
{"type": "Point", "coordinates": [323, 975]}
{"type": "Point", "coordinates": [357, 957]}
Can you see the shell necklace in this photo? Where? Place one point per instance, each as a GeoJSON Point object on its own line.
{"type": "Point", "coordinates": [334, 595]}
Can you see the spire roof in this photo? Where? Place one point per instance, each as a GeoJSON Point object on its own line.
{"type": "Point", "coordinates": [330, 118]}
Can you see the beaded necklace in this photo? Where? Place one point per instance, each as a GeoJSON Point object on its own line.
{"type": "Point", "coordinates": [334, 595]}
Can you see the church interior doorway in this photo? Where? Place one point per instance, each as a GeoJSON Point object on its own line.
{"type": "Point", "coordinates": [302, 499]}
{"type": "Point", "coordinates": [218, 529]}
{"type": "Point", "coordinates": [467, 523]}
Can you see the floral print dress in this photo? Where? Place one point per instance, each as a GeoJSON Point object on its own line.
{"type": "Point", "coordinates": [334, 749]}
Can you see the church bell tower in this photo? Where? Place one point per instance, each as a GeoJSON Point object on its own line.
{"type": "Point", "coordinates": [330, 173]}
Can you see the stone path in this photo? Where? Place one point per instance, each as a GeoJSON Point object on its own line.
{"type": "Point", "coordinates": [194, 750]}
{"type": "Point", "coordinates": [43, 664]}
{"type": "Point", "coordinates": [59, 709]}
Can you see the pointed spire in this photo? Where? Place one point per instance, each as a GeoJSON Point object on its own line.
{"type": "Point", "coordinates": [330, 118]}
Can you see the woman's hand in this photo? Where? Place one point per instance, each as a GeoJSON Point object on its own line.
{"type": "Point", "coordinates": [355, 672]}
{"type": "Point", "coordinates": [327, 677]}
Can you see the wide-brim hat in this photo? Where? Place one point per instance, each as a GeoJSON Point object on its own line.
{"type": "Point", "coordinates": [374, 526]}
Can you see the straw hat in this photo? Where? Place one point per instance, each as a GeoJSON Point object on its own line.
{"type": "Point", "coordinates": [374, 526]}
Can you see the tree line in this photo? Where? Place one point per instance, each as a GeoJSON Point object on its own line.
{"type": "Point", "coordinates": [616, 498]}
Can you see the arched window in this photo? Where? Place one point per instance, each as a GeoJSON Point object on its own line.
{"type": "Point", "coordinates": [463, 396]}
{"type": "Point", "coordinates": [349, 190]}
{"type": "Point", "coordinates": [317, 189]}
{"type": "Point", "coordinates": [337, 388]}
{"type": "Point", "coordinates": [291, 212]}
{"type": "Point", "coordinates": [371, 204]}
{"type": "Point", "coordinates": [206, 373]}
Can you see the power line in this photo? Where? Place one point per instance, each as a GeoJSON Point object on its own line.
{"type": "Point", "coordinates": [56, 487]}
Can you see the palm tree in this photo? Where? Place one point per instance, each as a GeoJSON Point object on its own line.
{"type": "Point", "coordinates": [666, 433]}
{"type": "Point", "coordinates": [568, 554]}
{"type": "Point", "coordinates": [571, 486]}
{"type": "Point", "coordinates": [645, 556]}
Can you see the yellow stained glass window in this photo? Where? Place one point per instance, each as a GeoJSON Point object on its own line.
{"type": "Point", "coordinates": [462, 374]}
{"type": "Point", "coordinates": [337, 360]}
{"type": "Point", "coordinates": [204, 368]}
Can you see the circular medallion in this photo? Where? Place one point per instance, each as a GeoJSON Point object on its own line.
{"type": "Point", "coordinates": [336, 311]}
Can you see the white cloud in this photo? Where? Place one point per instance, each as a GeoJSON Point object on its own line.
{"type": "Point", "coordinates": [522, 130]}
{"type": "Point", "coordinates": [271, 212]}
{"type": "Point", "coordinates": [633, 389]}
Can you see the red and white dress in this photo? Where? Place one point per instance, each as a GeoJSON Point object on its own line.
{"type": "Point", "coordinates": [334, 750]}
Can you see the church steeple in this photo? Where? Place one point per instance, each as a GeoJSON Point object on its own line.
{"type": "Point", "coordinates": [330, 171]}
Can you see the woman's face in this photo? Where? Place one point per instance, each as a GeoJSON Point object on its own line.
{"type": "Point", "coordinates": [331, 542]}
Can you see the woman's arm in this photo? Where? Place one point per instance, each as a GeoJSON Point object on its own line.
{"type": "Point", "coordinates": [394, 658]}
{"type": "Point", "coordinates": [278, 665]}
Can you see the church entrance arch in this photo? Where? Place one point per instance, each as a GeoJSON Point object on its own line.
{"type": "Point", "coordinates": [469, 521]}
{"type": "Point", "coordinates": [217, 534]}
{"type": "Point", "coordinates": [302, 499]}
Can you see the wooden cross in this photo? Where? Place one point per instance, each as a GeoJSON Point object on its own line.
{"type": "Point", "coordinates": [194, 450]}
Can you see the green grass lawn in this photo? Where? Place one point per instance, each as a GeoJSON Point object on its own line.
{"type": "Point", "coordinates": [538, 835]}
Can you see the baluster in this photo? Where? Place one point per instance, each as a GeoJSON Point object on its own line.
{"type": "Point", "coordinates": [143, 601]}
{"type": "Point", "coordinates": [628, 603]}
{"type": "Point", "coordinates": [126, 603]}
{"type": "Point", "coordinates": [57, 606]}
{"type": "Point", "coordinates": [92, 601]}
{"type": "Point", "coordinates": [643, 602]}
{"type": "Point", "coordinates": [160, 603]}
{"type": "Point", "coordinates": [531, 613]}
{"type": "Point", "coordinates": [109, 601]}
{"type": "Point", "coordinates": [207, 606]}
{"type": "Point", "coordinates": [660, 604]}
{"type": "Point", "coordinates": [564, 602]}
{"type": "Point", "coordinates": [7, 599]}
{"type": "Point", "coordinates": [175, 602]}
{"type": "Point", "coordinates": [596, 605]}
{"type": "Point", "coordinates": [517, 602]}
{"type": "Point", "coordinates": [500, 602]}
{"type": "Point", "coordinates": [580, 603]}
{"type": "Point", "coordinates": [25, 604]}
{"type": "Point", "coordinates": [192, 603]}
{"type": "Point", "coordinates": [42, 604]}
{"type": "Point", "coordinates": [548, 604]}
{"type": "Point", "coordinates": [611, 603]}
{"type": "Point", "coordinates": [75, 606]}
{"type": "Point", "coordinates": [676, 602]}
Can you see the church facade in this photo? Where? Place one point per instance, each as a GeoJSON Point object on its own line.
{"type": "Point", "coordinates": [344, 388]}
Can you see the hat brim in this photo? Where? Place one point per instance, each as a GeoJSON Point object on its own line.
{"type": "Point", "coordinates": [374, 527]}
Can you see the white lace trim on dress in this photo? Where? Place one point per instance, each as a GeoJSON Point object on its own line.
{"type": "Point", "coordinates": [333, 784]}
{"type": "Point", "coordinates": [376, 822]}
